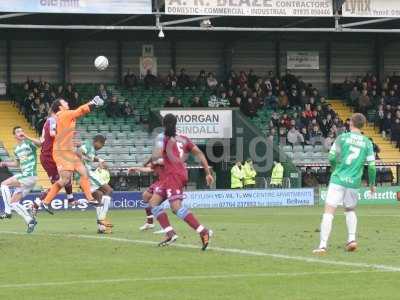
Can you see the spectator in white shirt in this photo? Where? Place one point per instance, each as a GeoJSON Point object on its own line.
{"type": "Point", "coordinates": [211, 81]}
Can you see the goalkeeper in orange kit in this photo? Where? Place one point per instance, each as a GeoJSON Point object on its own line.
{"type": "Point", "coordinates": [64, 154]}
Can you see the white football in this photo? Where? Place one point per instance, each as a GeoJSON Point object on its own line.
{"type": "Point", "coordinates": [101, 63]}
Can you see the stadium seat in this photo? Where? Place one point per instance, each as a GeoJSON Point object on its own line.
{"type": "Point", "coordinates": [287, 148]}
{"type": "Point", "coordinates": [308, 148]}
{"type": "Point", "coordinates": [297, 148]}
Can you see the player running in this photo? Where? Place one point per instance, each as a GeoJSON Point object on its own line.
{"type": "Point", "coordinates": [99, 179]}
{"type": "Point", "coordinates": [64, 155]}
{"type": "Point", "coordinates": [347, 158]}
{"type": "Point", "coordinates": [169, 154]}
{"type": "Point", "coordinates": [46, 154]}
{"type": "Point", "coordinates": [148, 168]}
{"type": "Point", "coordinates": [24, 182]}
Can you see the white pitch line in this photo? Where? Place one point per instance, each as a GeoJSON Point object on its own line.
{"type": "Point", "coordinates": [175, 278]}
{"type": "Point", "coordinates": [230, 250]}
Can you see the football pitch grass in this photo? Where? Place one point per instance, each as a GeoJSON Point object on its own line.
{"type": "Point", "coordinates": [262, 253]}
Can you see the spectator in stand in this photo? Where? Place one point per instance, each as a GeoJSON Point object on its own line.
{"type": "Point", "coordinates": [237, 102]}
{"type": "Point", "coordinates": [328, 142]}
{"type": "Point", "coordinates": [249, 108]}
{"type": "Point", "coordinates": [103, 93]}
{"type": "Point", "coordinates": [130, 79]}
{"type": "Point", "coordinates": [113, 109]}
{"type": "Point", "coordinates": [184, 81]}
{"type": "Point", "coordinates": [172, 80]}
{"type": "Point", "coordinates": [325, 127]}
{"type": "Point", "coordinates": [150, 80]}
{"type": "Point", "coordinates": [52, 97]}
{"type": "Point", "coordinates": [252, 79]}
{"type": "Point", "coordinates": [126, 109]}
{"type": "Point", "coordinates": [316, 135]}
{"type": "Point", "coordinates": [75, 101]}
{"type": "Point", "coordinates": [289, 79]}
{"type": "Point", "coordinates": [283, 100]}
{"type": "Point", "coordinates": [34, 112]}
{"type": "Point", "coordinates": [270, 100]}
{"type": "Point", "coordinates": [273, 137]}
{"type": "Point", "coordinates": [293, 97]}
{"type": "Point", "coordinates": [387, 124]}
{"type": "Point", "coordinates": [258, 102]}
{"type": "Point", "coordinates": [294, 137]}
{"type": "Point", "coordinates": [170, 102]}
{"type": "Point", "coordinates": [242, 79]}
{"type": "Point", "coordinates": [282, 136]}
{"type": "Point", "coordinates": [231, 96]}
{"type": "Point", "coordinates": [60, 91]}
{"type": "Point", "coordinates": [201, 81]}
{"type": "Point", "coordinates": [308, 113]}
{"type": "Point", "coordinates": [196, 102]}
{"type": "Point", "coordinates": [393, 99]}
{"type": "Point", "coordinates": [286, 121]}
{"type": "Point", "coordinates": [374, 98]}
{"type": "Point", "coordinates": [275, 119]}
{"type": "Point", "coordinates": [309, 179]}
{"type": "Point", "coordinates": [211, 81]}
{"type": "Point", "coordinates": [44, 99]}
{"type": "Point", "coordinates": [68, 94]}
{"type": "Point", "coordinates": [364, 102]}
{"type": "Point", "coordinates": [221, 101]}
{"type": "Point", "coordinates": [354, 95]}
{"type": "Point", "coordinates": [303, 99]}
{"type": "Point", "coordinates": [306, 136]}
{"type": "Point", "coordinates": [230, 84]}
{"type": "Point", "coordinates": [379, 118]}
{"type": "Point", "coordinates": [396, 90]}
{"type": "Point", "coordinates": [178, 102]}
{"type": "Point", "coordinates": [41, 118]}
{"type": "Point", "coordinates": [395, 132]}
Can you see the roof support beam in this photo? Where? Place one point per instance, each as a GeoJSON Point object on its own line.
{"type": "Point", "coordinates": [361, 23]}
{"type": "Point", "coordinates": [187, 20]}
{"type": "Point", "coordinates": [191, 28]}
{"type": "Point", "coordinates": [16, 15]}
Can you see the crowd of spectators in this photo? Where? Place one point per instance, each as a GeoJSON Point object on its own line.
{"type": "Point", "coordinates": [382, 100]}
{"type": "Point", "coordinates": [316, 124]}
{"type": "Point", "coordinates": [38, 97]}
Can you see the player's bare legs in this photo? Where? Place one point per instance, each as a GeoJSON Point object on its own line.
{"type": "Point", "coordinates": [65, 178]}
{"type": "Point", "coordinates": [85, 183]}
{"type": "Point", "coordinates": [162, 217]}
{"type": "Point", "coordinates": [351, 223]}
{"type": "Point", "coordinates": [325, 230]}
{"type": "Point", "coordinates": [186, 215]}
{"type": "Point", "coordinates": [14, 202]}
{"type": "Point", "coordinates": [103, 196]}
{"type": "Point", "coordinates": [149, 224]}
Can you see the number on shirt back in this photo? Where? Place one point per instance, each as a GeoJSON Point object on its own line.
{"type": "Point", "coordinates": [180, 149]}
{"type": "Point", "coordinates": [354, 153]}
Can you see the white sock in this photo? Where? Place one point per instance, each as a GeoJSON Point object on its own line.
{"type": "Point", "coordinates": [326, 227]}
{"type": "Point", "coordinates": [103, 210]}
{"type": "Point", "coordinates": [351, 222]}
{"type": "Point", "coordinates": [6, 194]}
{"type": "Point", "coordinates": [22, 211]}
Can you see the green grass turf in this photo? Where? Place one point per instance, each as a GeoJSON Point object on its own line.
{"type": "Point", "coordinates": [75, 266]}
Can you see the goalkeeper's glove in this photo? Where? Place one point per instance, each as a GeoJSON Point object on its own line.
{"type": "Point", "coordinates": [96, 101]}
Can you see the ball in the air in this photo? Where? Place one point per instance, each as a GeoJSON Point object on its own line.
{"type": "Point", "coordinates": [101, 63]}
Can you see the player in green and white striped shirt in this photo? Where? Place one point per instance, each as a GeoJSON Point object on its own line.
{"type": "Point", "coordinates": [24, 182]}
{"type": "Point", "coordinates": [347, 157]}
{"type": "Point", "coordinates": [99, 178]}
